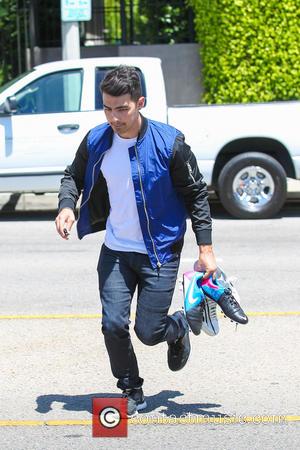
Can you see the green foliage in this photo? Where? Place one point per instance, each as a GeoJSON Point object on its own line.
{"type": "Point", "coordinates": [162, 22]}
{"type": "Point", "coordinates": [154, 21]}
{"type": "Point", "coordinates": [7, 36]}
{"type": "Point", "coordinates": [250, 49]}
{"type": "Point", "coordinates": [111, 20]}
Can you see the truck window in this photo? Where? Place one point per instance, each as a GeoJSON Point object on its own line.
{"type": "Point", "coordinates": [99, 75]}
{"type": "Point", "coordinates": [54, 93]}
{"type": "Point", "coordinates": [11, 82]}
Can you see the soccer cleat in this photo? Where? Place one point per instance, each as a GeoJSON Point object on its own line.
{"type": "Point", "coordinates": [193, 300]}
{"type": "Point", "coordinates": [136, 401]}
{"type": "Point", "coordinates": [222, 293]}
{"type": "Point", "coordinates": [210, 323]}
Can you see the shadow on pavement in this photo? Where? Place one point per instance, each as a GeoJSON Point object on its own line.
{"type": "Point", "coordinates": [162, 400]}
{"type": "Point", "coordinates": [290, 209]}
{"type": "Point", "coordinates": [21, 216]}
{"type": "Point", "coordinates": [11, 204]}
{"type": "Point", "coordinates": [170, 407]}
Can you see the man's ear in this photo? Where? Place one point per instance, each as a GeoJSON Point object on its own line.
{"type": "Point", "coordinates": [141, 102]}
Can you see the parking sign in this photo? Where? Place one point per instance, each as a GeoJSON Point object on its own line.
{"type": "Point", "coordinates": [76, 10]}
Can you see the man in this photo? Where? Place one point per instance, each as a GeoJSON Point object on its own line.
{"type": "Point", "coordinates": [140, 180]}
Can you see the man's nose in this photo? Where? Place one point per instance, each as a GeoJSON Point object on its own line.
{"type": "Point", "coordinates": [114, 116]}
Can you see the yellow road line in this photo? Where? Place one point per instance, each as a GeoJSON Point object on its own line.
{"type": "Point", "coordinates": [51, 316]}
{"type": "Point", "coordinates": [273, 313]}
{"type": "Point", "coordinates": [38, 423]}
{"type": "Point", "coordinates": [162, 420]}
{"type": "Point", "coordinates": [98, 316]}
{"type": "Point", "coordinates": [201, 420]}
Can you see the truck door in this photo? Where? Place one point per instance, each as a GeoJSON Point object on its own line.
{"type": "Point", "coordinates": [42, 136]}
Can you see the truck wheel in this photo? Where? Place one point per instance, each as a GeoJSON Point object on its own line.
{"type": "Point", "coordinates": [252, 186]}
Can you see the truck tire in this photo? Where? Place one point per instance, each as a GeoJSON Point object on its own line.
{"type": "Point", "coordinates": [252, 186]}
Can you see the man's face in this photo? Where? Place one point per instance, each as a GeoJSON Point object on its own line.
{"type": "Point", "coordinates": [122, 113]}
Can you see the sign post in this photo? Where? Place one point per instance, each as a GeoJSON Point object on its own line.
{"type": "Point", "coordinates": [72, 12]}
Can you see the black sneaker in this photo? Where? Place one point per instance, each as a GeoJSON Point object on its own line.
{"type": "Point", "coordinates": [179, 351]}
{"type": "Point", "coordinates": [231, 308]}
{"type": "Point", "coordinates": [136, 401]}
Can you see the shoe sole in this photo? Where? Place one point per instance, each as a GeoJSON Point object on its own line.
{"type": "Point", "coordinates": [210, 329]}
{"type": "Point", "coordinates": [239, 322]}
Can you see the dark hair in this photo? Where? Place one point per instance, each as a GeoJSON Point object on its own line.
{"type": "Point", "coordinates": [122, 80]}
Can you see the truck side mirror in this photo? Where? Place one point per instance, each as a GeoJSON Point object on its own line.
{"type": "Point", "coordinates": [10, 105]}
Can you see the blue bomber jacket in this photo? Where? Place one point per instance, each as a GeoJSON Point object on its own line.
{"type": "Point", "coordinates": [167, 183]}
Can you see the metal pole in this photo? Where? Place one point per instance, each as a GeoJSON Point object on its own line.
{"type": "Point", "coordinates": [70, 40]}
{"type": "Point", "coordinates": [69, 36]}
{"type": "Point", "coordinates": [32, 34]}
{"type": "Point", "coordinates": [19, 39]}
{"type": "Point", "coordinates": [191, 25]}
{"type": "Point", "coordinates": [27, 65]}
{"type": "Point", "coordinates": [131, 22]}
{"type": "Point", "coordinates": [123, 22]}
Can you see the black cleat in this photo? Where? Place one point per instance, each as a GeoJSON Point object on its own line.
{"type": "Point", "coordinates": [231, 308]}
{"type": "Point", "coordinates": [215, 290]}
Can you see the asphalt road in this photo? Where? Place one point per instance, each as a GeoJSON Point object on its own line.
{"type": "Point", "coordinates": [51, 366]}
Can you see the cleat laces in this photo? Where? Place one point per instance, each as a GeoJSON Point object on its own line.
{"type": "Point", "coordinates": [232, 300]}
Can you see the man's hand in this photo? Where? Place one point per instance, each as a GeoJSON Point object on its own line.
{"type": "Point", "coordinates": [64, 221]}
{"type": "Point", "coordinates": [207, 261]}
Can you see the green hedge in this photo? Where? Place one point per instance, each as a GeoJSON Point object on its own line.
{"type": "Point", "coordinates": [162, 22]}
{"type": "Point", "coordinates": [8, 49]}
{"type": "Point", "coordinates": [250, 49]}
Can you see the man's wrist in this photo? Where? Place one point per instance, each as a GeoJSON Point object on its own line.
{"type": "Point", "coordinates": [205, 248]}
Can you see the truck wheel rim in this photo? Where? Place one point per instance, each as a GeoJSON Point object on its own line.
{"type": "Point", "coordinates": [253, 187]}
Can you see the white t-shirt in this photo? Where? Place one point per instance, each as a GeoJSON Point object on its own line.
{"type": "Point", "coordinates": [123, 230]}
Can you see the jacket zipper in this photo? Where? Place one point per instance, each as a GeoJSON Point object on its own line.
{"type": "Point", "coordinates": [145, 209]}
{"type": "Point", "coordinates": [190, 171]}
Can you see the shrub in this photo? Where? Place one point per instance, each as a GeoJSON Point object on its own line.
{"type": "Point", "coordinates": [249, 48]}
{"type": "Point", "coordinates": [8, 49]}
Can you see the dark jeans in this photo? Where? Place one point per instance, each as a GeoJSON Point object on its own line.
{"type": "Point", "coordinates": [119, 275]}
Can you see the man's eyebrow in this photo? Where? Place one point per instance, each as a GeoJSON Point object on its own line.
{"type": "Point", "coordinates": [117, 107]}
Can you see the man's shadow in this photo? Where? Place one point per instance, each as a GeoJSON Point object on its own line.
{"type": "Point", "coordinates": [160, 403]}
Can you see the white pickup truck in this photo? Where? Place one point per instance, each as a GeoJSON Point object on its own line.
{"type": "Point", "coordinates": [245, 152]}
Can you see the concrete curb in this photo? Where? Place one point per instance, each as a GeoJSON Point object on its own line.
{"type": "Point", "coordinates": [48, 202]}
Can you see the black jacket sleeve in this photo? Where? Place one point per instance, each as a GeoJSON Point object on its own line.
{"type": "Point", "coordinates": [188, 181]}
{"type": "Point", "coordinates": [73, 180]}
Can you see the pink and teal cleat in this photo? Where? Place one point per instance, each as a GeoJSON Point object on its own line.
{"type": "Point", "coordinates": [193, 300]}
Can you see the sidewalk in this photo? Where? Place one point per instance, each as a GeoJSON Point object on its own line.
{"type": "Point", "coordinates": [46, 202]}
